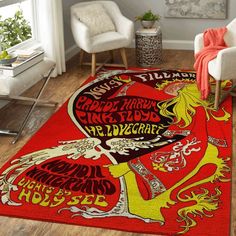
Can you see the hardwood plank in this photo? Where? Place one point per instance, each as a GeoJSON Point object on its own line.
{"type": "Point", "coordinates": [59, 89]}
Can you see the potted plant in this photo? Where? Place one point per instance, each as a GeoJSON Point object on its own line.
{"type": "Point", "coordinates": [148, 19]}
{"type": "Point", "coordinates": [14, 30]}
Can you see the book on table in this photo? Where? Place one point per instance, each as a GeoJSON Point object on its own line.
{"type": "Point", "coordinates": [25, 59]}
{"type": "Point", "coordinates": [149, 31]}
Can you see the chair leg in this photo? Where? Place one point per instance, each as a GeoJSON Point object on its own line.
{"type": "Point", "coordinates": [81, 57]}
{"type": "Point", "coordinates": [124, 58]}
{"type": "Point", "coordinates": [93, 64]}
{"type": "Point", "coordinates": [217, 94]}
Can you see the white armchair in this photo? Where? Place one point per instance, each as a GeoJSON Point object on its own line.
{"type": "Point", "coordinates": [223, 67]}
{"type": "Point", "coordinates": [118, 37]}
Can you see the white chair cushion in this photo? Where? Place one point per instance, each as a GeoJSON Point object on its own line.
{"type": "Point", "coordinates": [108, 41]}
{"type": "Point", "coordinates": [95, 17]}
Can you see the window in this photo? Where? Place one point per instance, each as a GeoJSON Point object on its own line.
{"type": "Point", "coordinates": [17, 20]}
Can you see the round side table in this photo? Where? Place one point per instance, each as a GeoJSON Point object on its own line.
{"type": "Point", "coordinates": [148, 46]}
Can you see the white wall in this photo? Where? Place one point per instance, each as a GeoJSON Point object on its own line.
{"type": "Point", "coordinates": [177, 33]}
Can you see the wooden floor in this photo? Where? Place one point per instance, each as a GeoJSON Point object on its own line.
{"type": "Point", "coordinates": [60, 89]}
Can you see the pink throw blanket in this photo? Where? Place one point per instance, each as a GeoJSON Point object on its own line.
{"type": "Point", "coordinates": [213, 43]}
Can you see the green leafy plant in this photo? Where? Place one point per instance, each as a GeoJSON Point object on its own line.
{"type": "Point", "coordinates": [14, 30]}
{"type": "Point", "coordinates": [148, 16]}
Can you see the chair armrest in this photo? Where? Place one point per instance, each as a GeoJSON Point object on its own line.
{"type": "Point", "coordinates": [226, 63]}
{"type": "Point", "coordinates": [125, 27]}
{"type": "Point", "coordinates": [198, 43]}
{"type": "Point", "coordinates": [81, 33]}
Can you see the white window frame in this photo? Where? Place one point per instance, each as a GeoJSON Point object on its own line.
{"type": "Point", "coordinates": [32, 43]}
{"type": "Point", "coordinates": [4, 3]}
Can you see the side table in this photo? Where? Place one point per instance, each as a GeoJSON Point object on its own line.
{"type": "Point", "coordinates": [148, 46]}
{"type": "Point", "coordinates": [11, 87]}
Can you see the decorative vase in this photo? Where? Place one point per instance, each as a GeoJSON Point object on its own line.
{"type": "Point", "coordinates": [147, 24]}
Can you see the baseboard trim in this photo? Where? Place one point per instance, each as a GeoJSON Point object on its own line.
{"type": "Point", "coordinates": [178, 44]}
{"type": "Point", "coordinates": [72, 51]}
{"type": "Point", "coordinates": [167, 44]}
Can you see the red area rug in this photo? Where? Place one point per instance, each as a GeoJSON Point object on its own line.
{"type": "Point", "coordinates": [132, 150]}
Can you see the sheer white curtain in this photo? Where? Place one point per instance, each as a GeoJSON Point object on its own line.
{"type": "Point", "coordinates": [49, 28]}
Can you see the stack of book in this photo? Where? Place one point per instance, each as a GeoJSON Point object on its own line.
{"type": "Point", "coordinates": [25, 59]}
{"type": "Point", "coordinates": [147, 30]}
{"type": "Point", "coordinates": [150, 31]}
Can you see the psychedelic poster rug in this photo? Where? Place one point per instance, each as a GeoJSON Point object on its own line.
{"type": "Point", "coordinates": [133, 150]}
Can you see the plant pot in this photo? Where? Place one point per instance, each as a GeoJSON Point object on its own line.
{"type": "Point", "coordinates": [147, 24]}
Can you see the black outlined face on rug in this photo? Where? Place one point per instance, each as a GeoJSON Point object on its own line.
{"type": "Point", "coordinates": [125, 109]}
